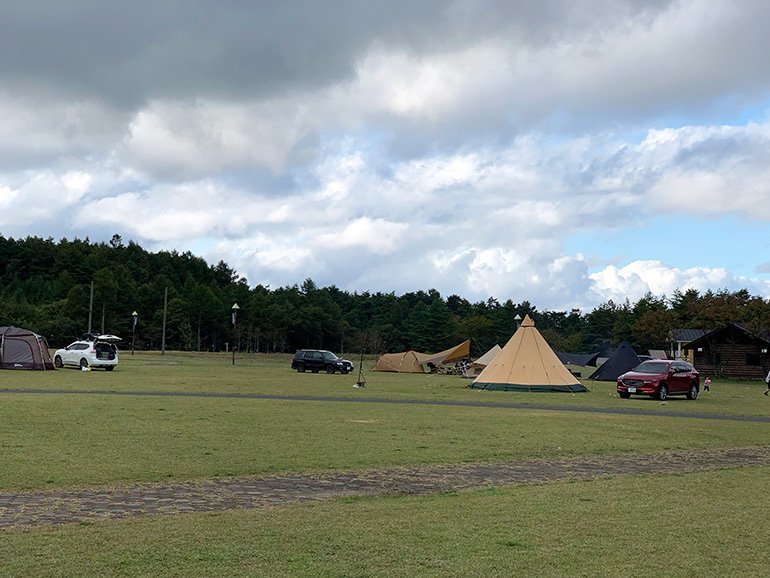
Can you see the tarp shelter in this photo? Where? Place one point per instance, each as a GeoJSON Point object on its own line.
{"type": "Point", "coordinates": [456, 353]}
{"type": "Point", "coordinates": [415, 362]}
{"type": "Point", "coordinates": [527, 363]}
{"type": "Point", "coordinates": [23, 349]}
{"type": "Point", "coordinates": [623, 359]}
{"type": "Point", "coordinates": [475, 368]}
{"type": "Point", "coordinates": [578, 358]}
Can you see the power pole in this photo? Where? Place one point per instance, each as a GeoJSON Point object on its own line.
{"type": "Point", "coordinates": [91, 307]}
{"type": "Point", "coordinates": [165, 311]}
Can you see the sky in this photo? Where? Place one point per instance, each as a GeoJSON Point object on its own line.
{"type": "Point", "coordinates": [563, 152]}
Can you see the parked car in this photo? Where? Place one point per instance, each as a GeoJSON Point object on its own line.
{"type": "Point", "coordinates": [92, 350]}
{"type": "Point", "coordinates": [660, 378]}
{"type": "Point", "coordinates": [317, 360]}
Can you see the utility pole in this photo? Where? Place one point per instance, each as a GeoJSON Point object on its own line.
{"type": "Point", "coordinates": [165, 311]}
{"type": "Point", "coordinates": [91, 307]}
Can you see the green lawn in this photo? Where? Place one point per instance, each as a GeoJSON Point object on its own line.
{"type": "Point", "coordinates": [692, 524]}
{"type": "Point", "coordinates": [270, 374]}
{"type": "Point", "coordinates": [699, 524]}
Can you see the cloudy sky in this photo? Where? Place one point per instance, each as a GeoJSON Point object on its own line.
{"type": "Point", "coordinates": [566, 152]}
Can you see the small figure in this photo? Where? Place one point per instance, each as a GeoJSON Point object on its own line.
{"type": "Point", "coordinates": [767, 383]}
{"type": "Point", "coordinates": [707, 384]}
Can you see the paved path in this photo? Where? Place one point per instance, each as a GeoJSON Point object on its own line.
{"type": "Point", "coordinates": [71, 506]}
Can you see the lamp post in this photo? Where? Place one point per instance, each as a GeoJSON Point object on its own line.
{"type": "Point", "coordinates": [235, 321]}
{"type": "Point", "coordinates": [135, 316]}
{"type": "Point", "coordinates": [517, 319]}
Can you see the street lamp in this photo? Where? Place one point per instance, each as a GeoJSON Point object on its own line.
{"type": "Point", "coordinates": [135, 315]}
{"type": "Point", "coordinates": [517, 319]}
{"type": "Point", "coordinates": [235, 321]}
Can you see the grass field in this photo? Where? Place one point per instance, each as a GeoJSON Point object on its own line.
{"type": "Point", "coordinates": [706, 523]}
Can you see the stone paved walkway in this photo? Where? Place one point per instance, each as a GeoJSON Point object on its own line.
{"type": "Point", "coordinates": [72, 506]}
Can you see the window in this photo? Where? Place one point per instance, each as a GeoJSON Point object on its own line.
{"type": "Point", "coordinates": [752, 359]}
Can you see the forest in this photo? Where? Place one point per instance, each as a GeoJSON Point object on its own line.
{"type": "Point", "coordinates": [55, 288]}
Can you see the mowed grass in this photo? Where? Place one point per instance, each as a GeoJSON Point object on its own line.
{"type": "Point", "coordinates": [271, 375]}
{"type": "Point", "coordinates": [707, 523]}
{"type": "Point", "coordinates": [697, 524]}
{"type": "Point", "coordinates": [61, 440]}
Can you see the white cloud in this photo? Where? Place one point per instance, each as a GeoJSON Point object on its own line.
{"type": "Point", "coordinates": [376, 235]}
{"type": "Point", "coordinates": [462, 151]}
{"type": "Point", "coordinates": [635, 279]}
{"type": "Point", "coordinates": [193, 139]}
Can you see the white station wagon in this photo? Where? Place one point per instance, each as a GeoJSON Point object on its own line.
{"type": "Point", "coordinates": [89, 352]}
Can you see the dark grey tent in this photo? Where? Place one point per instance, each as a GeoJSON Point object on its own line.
{"type": "Point", "coordinates": [23, 349]}
{"type": "Point", "coordinates": [577, 358]}
{"type": "Point", "coordinates": [621, 360]}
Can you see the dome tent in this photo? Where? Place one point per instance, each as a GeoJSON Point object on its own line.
{"type": "Point", "coordinates": [415, 362]}
{"type": "Point", "coordinates": [23, 349]}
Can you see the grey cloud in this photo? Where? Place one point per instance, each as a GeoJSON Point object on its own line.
{"type": "Point", "coordinates": [127, 52]}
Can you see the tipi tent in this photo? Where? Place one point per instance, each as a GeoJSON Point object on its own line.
{"type": "Point", "coordinates": [527, 363]}
{"type": "Point", "coordinates": [476, 367]}
{"type": "Point", "coordinates": [414, 362]}
{"type": "Point", "coordinates": [23, 349]}
{"type": "Point", "coordinates": [622, 359]}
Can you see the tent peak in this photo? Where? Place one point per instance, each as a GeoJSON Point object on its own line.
{"type": "Point", "coordinates": [527, 322]}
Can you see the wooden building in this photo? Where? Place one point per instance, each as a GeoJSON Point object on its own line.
{"type": "Point", "coordinates": [679, 338]}
{"type": "Point", "coordinates": [731, 351]}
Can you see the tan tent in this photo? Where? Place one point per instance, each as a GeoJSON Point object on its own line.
{"type": "Point", "coordinates": [527, 363]}
{"type": "Point", "coordinates": [475, 368]}
{"type": "Point", "coordinates": [414, 362]}
{"type": "Point", "coordinates": [456, 353]}
{"type": "Point", "coordinates": [406, 362]}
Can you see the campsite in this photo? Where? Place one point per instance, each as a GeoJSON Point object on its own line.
{"type": "Point", "coordinates": [111, 430]}
{"type": "Point", "coordinates": [471, 439]}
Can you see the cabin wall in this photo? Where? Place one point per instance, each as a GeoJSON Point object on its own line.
{"type": "Point", "coordinates": [740, 361]}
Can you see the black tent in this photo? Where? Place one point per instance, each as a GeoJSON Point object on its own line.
{"type": "Point", "coordinates": [577, 358]}
{"type": "Point", "coordinates": [23, 349]}
{"type": "Point", "coordinates": [622, 359]}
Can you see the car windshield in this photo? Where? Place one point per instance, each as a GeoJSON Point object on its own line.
{"type": "Point", "coordinates": [328, 356]}
{"type": "Point", "coordinates": [652, 367]}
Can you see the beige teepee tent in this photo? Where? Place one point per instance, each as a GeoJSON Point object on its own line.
{"type": "Point", "coordinates": [527, 363]}
{"type": "Point", "coordinates": [476, 367]}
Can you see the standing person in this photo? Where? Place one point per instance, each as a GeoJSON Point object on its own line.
{"type": "Point", "coordinates": [767, 383]}
{"type": "Point", "coordinates": [707, 384]}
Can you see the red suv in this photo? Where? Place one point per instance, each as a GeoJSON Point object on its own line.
{"type": "Point", "coordinates": [660, 378]}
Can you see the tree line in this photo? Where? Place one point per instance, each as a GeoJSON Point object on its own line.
{"type": "Point", "coordinates": [54, 288]}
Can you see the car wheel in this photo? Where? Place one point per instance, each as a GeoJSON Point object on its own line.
{"type": "Point", "coordinates": [109, 367]}
{"type": "Point", "coordinates": [662, 392]}
{"type": "Point", "coordinates": [57, 362]}
{"type": "Point", "coordinates": [300, 368]}
{"type": "Point", "coordinates": [83, 363]}
{"type": "Point", "coordinates": [692, 393]}
{"type": "Point", "coordinates": [344, 371]}
{"type": "Point", "coordinates": [329, 369]}
{"type": "Point", "coordinates": [624, 394]}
